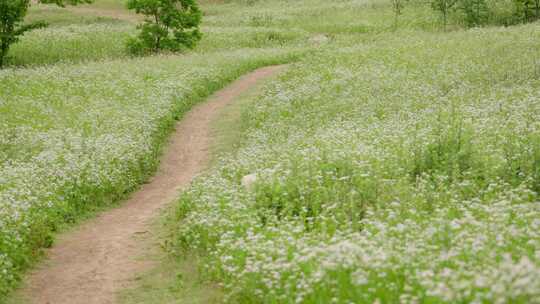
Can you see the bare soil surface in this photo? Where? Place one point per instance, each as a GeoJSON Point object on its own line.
{"type": "Point", "coordinates": [91, 263]}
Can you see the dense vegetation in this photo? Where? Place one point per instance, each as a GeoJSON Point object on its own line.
{"type": "Point", "coordinates": [394, 161]}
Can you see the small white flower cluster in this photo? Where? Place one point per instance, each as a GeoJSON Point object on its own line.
{"type": "Point", "coordinates": [391, 172]}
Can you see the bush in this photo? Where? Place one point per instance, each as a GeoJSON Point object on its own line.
{"type": "Point", "coordinates": [171, 25]}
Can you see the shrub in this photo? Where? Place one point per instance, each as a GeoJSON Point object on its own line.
{"type": "Point", "coordinates": [171, 25]}
{"type": "Point", "coordinates": [475, 12]}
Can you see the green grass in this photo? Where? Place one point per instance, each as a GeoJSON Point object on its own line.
{"type": "Point", "coordinates": [70, 38]}
{"type": "Point", "coordinates": [118, 5]}
{"type": "Point", "coordinates": [175, 280]}
{"type": "Point", "coordinates": [228, 128]}
{"type": "Point", "coordinates": [71, 44]}
{"type": "Point", "coordinates": [55, 17]}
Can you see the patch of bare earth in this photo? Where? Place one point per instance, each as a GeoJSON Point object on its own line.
{"type": "Point", "coordinates": [90, 264]}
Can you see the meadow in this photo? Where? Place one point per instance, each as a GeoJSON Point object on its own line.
{"type": "Point", "coordinates": [392, 165]}
{"type": "Point", "coordinates": [386, 173]}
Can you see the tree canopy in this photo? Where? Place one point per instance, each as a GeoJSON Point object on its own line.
{"type": "Point", "coordinates": [170, 25]}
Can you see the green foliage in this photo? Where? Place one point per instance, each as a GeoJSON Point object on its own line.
{"type": "Point", "coordinates": [475, 12]}
{"type": "Point", "coordinates": [528, 10]}
{"type": "Point", "coordinates": [171, 25]}
{"type": "Point", "coordinates": [12, 13]}
{"type": "Point", "coordinates": [444, 8]}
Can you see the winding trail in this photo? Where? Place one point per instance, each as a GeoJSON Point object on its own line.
{"type": "Point", "coordinates": [90, 264]}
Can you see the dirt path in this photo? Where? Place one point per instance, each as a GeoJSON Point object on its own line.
{"type": "Point", "coordinates": [90, 264]}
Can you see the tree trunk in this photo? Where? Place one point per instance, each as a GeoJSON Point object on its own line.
{"type": "Point", "coordinates": [444, 17]}
{"type": "Point", "coordinates": [477, 13]}
{"type": "Point", "coordinates": [158, 39]}
{"type": "Point", "coordinates": [3, 53]}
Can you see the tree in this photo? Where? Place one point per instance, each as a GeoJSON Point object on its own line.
{"type": "Point", "coordinates": [12, 27]}
{"type": "Point", "coordinates": [171, 25]}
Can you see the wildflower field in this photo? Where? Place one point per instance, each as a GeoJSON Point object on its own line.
{"type": "Point", "coordinates": [388, 172]}
{"type": "Point", "coordinates": [390, 165]}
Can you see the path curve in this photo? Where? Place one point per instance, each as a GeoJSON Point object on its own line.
{"type": "Point", "coordinates": [88, 265]}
